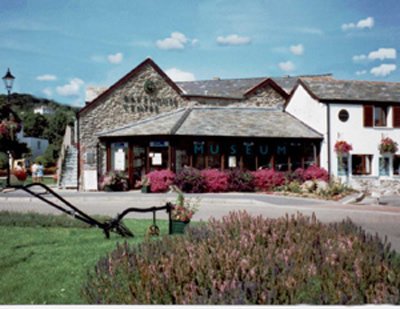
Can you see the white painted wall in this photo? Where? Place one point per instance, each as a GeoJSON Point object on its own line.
{"type": "Point", "coordinates": [37, 146]}
{"type": "Point", "coordinates": [364, 140]}
{"type": "Point", "coordinates": [312, 113]}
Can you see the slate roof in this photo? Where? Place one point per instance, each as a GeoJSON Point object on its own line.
{"type": "Point", "coordinates": [236, 88]}
{"type": "Point", "coordinates": [350, 90]}
{"type": "Point", "coordinates": [219, 121]}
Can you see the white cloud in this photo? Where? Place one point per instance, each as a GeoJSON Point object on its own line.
{"type": "Point", "coordinates": [383, 70]}
{"type": "Point", "coordinates": [46, 77]}
{"type": "Point", "coordinates": [71, 89]}
{"type": "Point", "coordinates": [383, 53]}
{"type": "Point", "coordinates": [366, 23]}
{"type": "Point", "coordinates": [179, 75]}
{"type": "Point", "coordinates": [287, 66]}
{"type": "Point", "coordinates": [48, 92]}
{"type": "Point", "coordinates": [233, 39]}
{"type": "Point", "coordinates": [361, 72]}
{"type": "Point", "coordinates": [359, 58]}
{"type": "Point", "coordinates": [93, 92]}
{"type": "Point", "coordinates": [177, 40]}
{"type": "Point", "coordinates": [195, 42]}
{"type": "Point", "coordinates": [297, 50]}
{"type": "Point", "coordinates": [361, 24]}
{"type": "Point", "coordinates": [115, 59]}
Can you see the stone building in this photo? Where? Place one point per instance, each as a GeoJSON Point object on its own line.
{"type": "Point", "coordinates": [145, 121]}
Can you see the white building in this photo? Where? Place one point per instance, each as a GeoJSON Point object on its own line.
{"type": "Point", "coordinates": [360, 113]}
{"type": "Point", "coordinates": [37, 146]}
{"type": "Point", "coordinates": [43, 110]}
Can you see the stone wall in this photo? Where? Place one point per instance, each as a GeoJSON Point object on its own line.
{"type": "Point", "coordinates": [126, 104]}
{"type": "Point", "coordinates": [376, 185]}
{"type": "Point", "coordinates": [263, 97]}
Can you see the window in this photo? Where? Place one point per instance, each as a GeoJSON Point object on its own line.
{"type": "Point", "coordinates": [380, 116]}
{"type": "Point", "coordinates": [384, 166]}
{"type": "Point", "coordinates": [343, 165]}
{"type": "Point", "coordinates": [343, 115]}
{"type": "Point", "coordinates": [376, 116]}
{"type": "Point", "coordinates": [119, 156]}
{"type": "Point", "coordinates": [396, 165]}
{"type": "Point", "coordinates": [361, 164]}
{"type": "Point", "coordinates": [39, 144]}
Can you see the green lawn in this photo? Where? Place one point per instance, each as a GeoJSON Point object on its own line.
{"type": "Point", "coordinates": [47, 180]}
{"type": "Point", "coordinates": [48, 265]}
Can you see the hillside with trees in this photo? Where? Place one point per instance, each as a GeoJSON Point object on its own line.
{"type": "Point", "coordinates": [49, 126]}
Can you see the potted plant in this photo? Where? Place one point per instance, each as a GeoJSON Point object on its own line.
{"type": "Point", "coordinates": [387, 145]}
{"type": "Point", "coordinates": [20, 176]}
{"type": "Point", "coordinates": [114, 182]}
{"type": "Point", "coordinates": [182, 212]}
{"type": "Point", "coordinates": [145, 184]}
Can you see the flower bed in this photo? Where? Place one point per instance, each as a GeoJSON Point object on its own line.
{"type": "Point", "coordinates": [246, 260]}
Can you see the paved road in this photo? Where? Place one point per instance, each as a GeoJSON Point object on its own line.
{"type": "Point", "coordinates": [384, 220]}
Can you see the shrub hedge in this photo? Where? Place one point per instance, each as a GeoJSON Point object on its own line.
{"type": "Point", "coordinates": [251, 260]}
{"type": "Point", "coordinates": [160, 180]}
{"type": "Point", "coordinates": [301, 181]}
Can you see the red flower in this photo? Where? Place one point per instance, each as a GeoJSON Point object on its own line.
{"type": "Point", "coordinates": [20, 174]}
{"type": "Point", "coordinates": [342, 147]}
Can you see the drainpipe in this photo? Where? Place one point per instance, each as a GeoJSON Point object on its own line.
{"type": "Point", "coordinates": [328, 121]}
{"type": "Point", "coordinates": [78, 146]}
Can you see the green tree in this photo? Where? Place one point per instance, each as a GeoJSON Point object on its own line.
{"type": "Point", "coordinates": [34, 124]}
{"type": "Point", "coordinates": [56, 128]}
{"type": "Point", "coordinates": [10, 124]}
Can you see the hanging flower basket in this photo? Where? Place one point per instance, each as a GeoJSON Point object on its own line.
{"type": "Point", "coordinates": [387, 145]}
{"type": "Point", "coordinates": [343, 147]}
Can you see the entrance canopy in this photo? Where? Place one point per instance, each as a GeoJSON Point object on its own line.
{"type": "Point", "coordinates": [219, 121]}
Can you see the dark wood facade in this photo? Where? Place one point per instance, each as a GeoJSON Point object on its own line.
{"type": "Point", "coordinates": [138, 155]}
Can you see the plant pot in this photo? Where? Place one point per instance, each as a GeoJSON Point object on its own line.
{"type": "Point", "coordinates": [178, 227]}
{"type": "Point", "coordinates": [14, 181]}
{"type": "Point", "coordinates": [145, 189]}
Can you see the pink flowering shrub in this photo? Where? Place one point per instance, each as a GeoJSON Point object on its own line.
{"type": "Point", "coordinates": [215, 180]}
{"type": "Point", "coordinates": [268, 179]}
{"type": "Point", "coordinates": [251, 260]}
{"type": "Point", "coordinates": [314, 172]}
{"type": "Point", "coordinates": [160, 180]}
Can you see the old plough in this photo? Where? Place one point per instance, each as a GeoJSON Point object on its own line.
{"type": "Point", "coordinates": [112, 225]}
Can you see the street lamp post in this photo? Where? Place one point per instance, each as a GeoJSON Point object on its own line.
{"type": "Point", "coordinates": [8, 82]}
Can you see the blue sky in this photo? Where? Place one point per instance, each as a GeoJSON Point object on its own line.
{"type": "Point", "coordinates": [56, 49]}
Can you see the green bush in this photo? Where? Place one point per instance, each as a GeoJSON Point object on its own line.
{"type": "Point", "coordinates": [335, 190]}
{"type": "Point", "coordinates": [247, 260]}
{"type": "Point", "coordinates": [3, 160]}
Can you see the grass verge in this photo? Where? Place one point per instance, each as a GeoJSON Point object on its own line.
{"type": "Point", "coordinates": [47, 264]}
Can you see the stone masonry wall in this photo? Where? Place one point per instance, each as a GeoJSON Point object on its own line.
{"type": "Point", "coordinates": [263, 97]}
{"type": "Point", "coordinates": [126, 104]}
